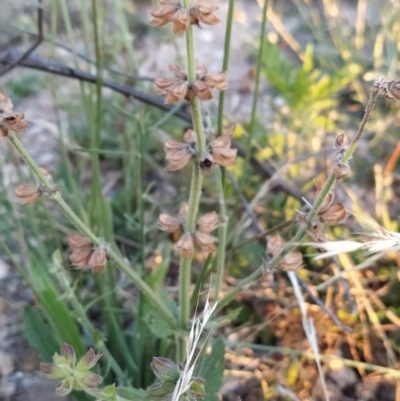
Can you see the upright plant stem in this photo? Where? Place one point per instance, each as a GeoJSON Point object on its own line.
{"type": "Point", "coordinates": [85, 230]}
{"type": "Point", "coordinates": [97, 123]}
{"type": "Point", "coordinates": [220, 172]}
{"type": "Point", "coordinates": [225, 62]}
{"type": "Point", "coordinates": [222, 233]}
{"type": "Point", "coordinates": [185, 264]}
{"type": "Point", "coordinates": [257, 81]}
{"type": "Point", "coordinates": [327, 188]}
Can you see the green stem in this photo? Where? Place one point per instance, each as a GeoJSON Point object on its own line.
{"type": "Point", "coordinates": [185, 264]}
{"type": "Point", "coordinates": [86, 323]}
{"type": "Point", "coordinates": [95, 199]}
{"type": "Point", "coordinates": [257, 82]}
{"type": "Point", "coordinates": [222, 232]}
{"type": "Point", "coordinates": [85, 230]}
{"type": "Point", "coordinates": [140, 194]}
{"type": "Point", "coordinates": [327, 188]}
{"type": "Point", "coordinates": [262, 235]}
{"type": "Point", "coordinates": [225, 62]}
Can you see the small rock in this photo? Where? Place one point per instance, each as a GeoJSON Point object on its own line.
{"type": "Point", "coordinates": [6, 364]}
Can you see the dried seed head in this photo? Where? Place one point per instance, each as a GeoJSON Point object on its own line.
{"type": "Point", "coordinates": [317, 234]}
{"type": "Point", "coordinates": [328, 199]}
{"type": "Point", "coordinates": [175, 89]}
{"type": "Point", "coordinates": [335, 214]}
{"type": "Point", "coordinates": [275, 245]}
{"type": "Point", "coordinates": [98, 260]}
{"type": "Point", "coordinates": [390, 89]}
{"type": "Point", "coordinates": [6, 106]}
{"type": "Point", "coordinates": [77, 241]}
{"type": "Point", "coordinates": [179, 153]}
{"type": "Point", "coordinates": [206, 163]}
{"type": "Point", "coordinates": [185, 245]}
{"type": "Point", "coordinates": [183, 212]}
{"type": "Point", "coordinates": [27, 193]}
{"type": "Point", "coordinates": [292, 261]}
{"type": "Point", "coordinates": [8, 119]}
{"type": "Point", "coordinates": [208, 222]}
{"type": "Point", "coordinates": [205, 241]}
{"type": "Point", "coordinates": [80, 257]}
{"type": "Point", "coordinates": [341, 171]}
{"type": "Point", "coordinates": [341, 142]}
{"type": "Point", "coordinates": [170, 11]}
{"type": "Point", "coordinates": [168, 223]}
{"type": "Point", "coordinates": [178, 88]}
{"type": "Point", "coordinates": [202, 12]}
{"type": "Point", "coordinates": [221, 151]}
{"type": "Point", "coordinates": [13, 123]}
{"type": "Point", "coordinates": [180, 20]}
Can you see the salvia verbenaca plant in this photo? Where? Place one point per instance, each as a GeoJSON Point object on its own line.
{"type": "Point", "coordinates": [175, 380]}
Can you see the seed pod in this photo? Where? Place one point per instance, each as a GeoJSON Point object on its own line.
{"type": "Point", "coordinates": [206, 163]}
{"type": "Point", "coordinates": [275, 245]}
{"type": "Point", "coordinates": [292, 261]}
{"type": "Point", "coordinates": [391, 89]}
{"type": "Point", "coordinates": [78, 241]}
{"type": "Point", "coordinates": [6, 106]}
{"type": "Point", "coordinates": [205, 241]}
{"type": "Point", "coordinates": [185, 245]}
{"type": "Point", "coordinates": [183, 212]}
{"type": "Point", "coordinates": [341, 143]}
{"type": "Point", "coordinates": [328, 199]}
{"type": "Point", "coordinates": [341, 171]}
{"type": "Point", "coordinates": [80, 257]}
{"type": "Point", "coordinates": [168, 223]}
{"type": "Point", "coordinates": [208, 222]}
{"type": "Point", "coordinates": [98, 260]}
{"type": "Point", "coordinates": [317, 234]}
{"type": "Point", "coordinates": [335, 214]}
{"type": "Point", "coordinates": [27, 193]}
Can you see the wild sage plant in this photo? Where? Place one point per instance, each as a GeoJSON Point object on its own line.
{"type": "Point", "coordinates": [194, 84]}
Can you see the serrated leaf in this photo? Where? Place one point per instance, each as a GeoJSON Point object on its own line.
{"type": "Point", "coordinates": [157, 325]}
{"type": "Point", "coordinates": [155, 321]}
{"type": "Point", "coordinates": [213, 369]}
{"type": "Point", "coordinates": [37, 335]}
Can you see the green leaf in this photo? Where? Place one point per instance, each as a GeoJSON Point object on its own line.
{"type": "Point", "coordinates": [38, 333]}
{"type": "Point", "coordinates": [131, 394]}
{"type": "Point", "coordinates": [157, 325]}
{"type": "Point", "coordinates": [213, 369]}
{"type": "Point", "coordinates": [54, 307]}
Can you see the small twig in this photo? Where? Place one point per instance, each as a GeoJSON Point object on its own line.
{"type": "Point", "coordinates": [39, 40]}
{"type": "Point", "coordinates": [263, 234]}
{"type": "Point", "coordinates": [319, 302]}
{"type": "Point", "coordinates": [244, 201]}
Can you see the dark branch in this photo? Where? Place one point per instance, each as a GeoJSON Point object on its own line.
{"type": "Point", "coordinates": [42, 64]}
{"type": "Point", "coordinates": [39, 40]}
